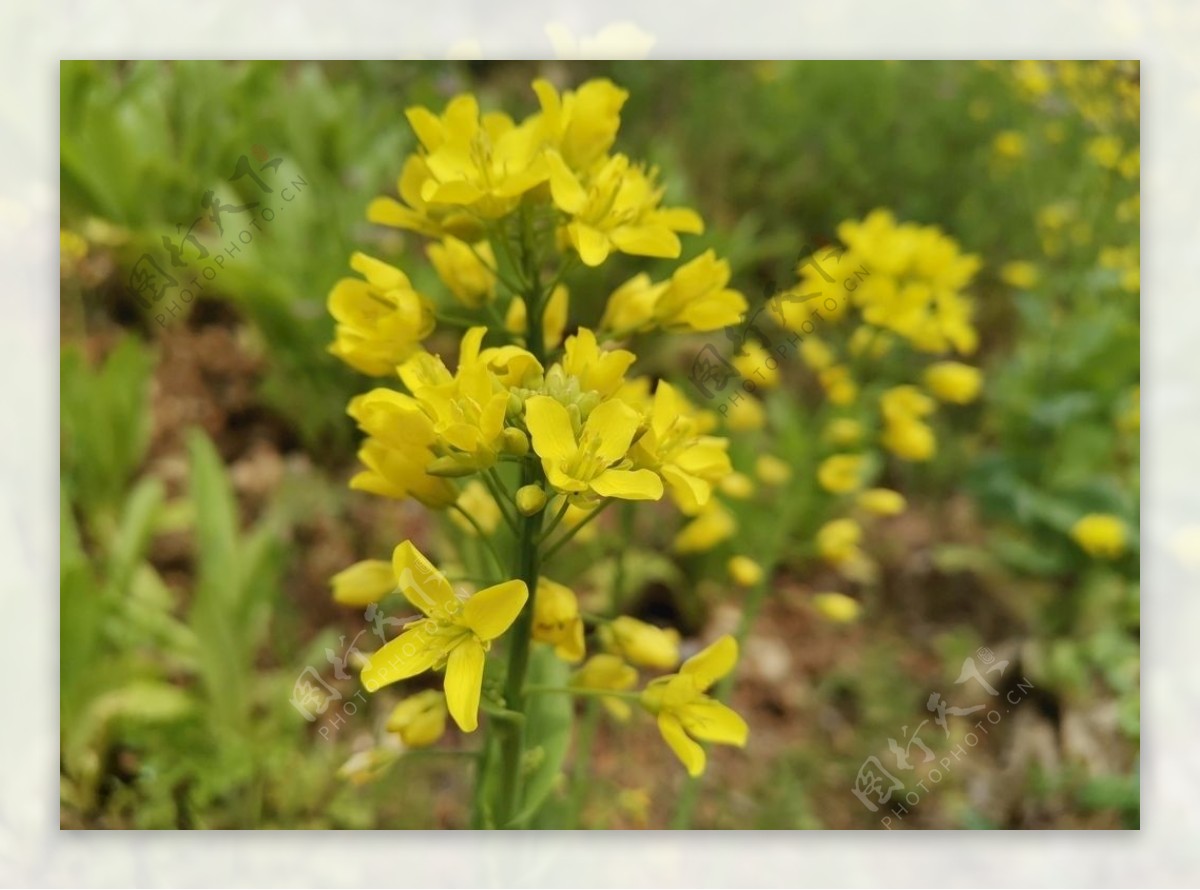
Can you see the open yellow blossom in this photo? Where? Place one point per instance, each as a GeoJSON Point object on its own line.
{"type": "Point", "coordinates": [581, 125]}
{"type": "Point", "coordinates": [689, 463]}
{"type": "Point", "coordinates": [399, 449]}
{"type": "Point", "coordinates": [837, 607]}
{"type": "Point", "coordinates": [837, 540]}
{"type": "Point", "coordinates": [594, 461]}
{"type": "Point", "coordinates": [697, 297]}
{"type": "Point", "coordinates": [882, 502]}
{"type": "Point", "coordinates": [556, 620]}
{"type": "Point", "coordinates": [712, 525]}
{"type": "Point", "coordinates": [641, 643]}
{"type": "Point", "coordinates": [608, 671]}
{"type": "Point", "coordinates": [615, 208]}
{"type": "Point", "coordinates": [744, 571]}
{"type": "Point", "coordinates": [380, 321]}
{"type": "Point", "coordinates": [454, 633]}
{"type": "Point", "coordinates": [468, 409]}
{"type": "Point", "coordinates": [419, 720]}
{"type": "Point", "coordinates": [465, 269]}
{"type": "Point", "coordinates": [685, 713]}
{"type": "Point", "coordinates": [363, 583]}
{"type": "Point", "coordinates": [1100, 534]}
{"type": "Point", "coordinates": [597, 370]}
{"type": "Point", "coordinates": [841, 473]}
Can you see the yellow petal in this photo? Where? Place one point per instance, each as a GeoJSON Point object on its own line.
{"type": "Point", "coordinates": [550, 426]}
{"type": "Point", "coordinates": [591, 244]}
{"type": "Point", "coordinates": [690, 492]}
{"type": "Point", "coordinates": [711, 721]}
{"type": "Point", "coordinates": [490, 612]}
{"type": "Point", "coordinates": [688, 752]}
{"type": "Point", "coordinates": [363, 583]}
{"type": "Point", "coordinates": [629, 485]}
{"type": "Point", "coordinates": [654, 241]}
{"type": "Point", "coordinates": [423, 585]}
{"type": "Point", "coordinates": [464, 680]}
{"type": "Point", "coordinates": [411, 653]}
{"type": "Point", "coordinates": [614, 424]}
{"type": "Point", "coordinates": [568, 194]}
{"type": "Point", "coordinates": [713, 662]}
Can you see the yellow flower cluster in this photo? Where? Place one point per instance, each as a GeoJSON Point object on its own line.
{"type": "Point", "coordinates": [525, 432]}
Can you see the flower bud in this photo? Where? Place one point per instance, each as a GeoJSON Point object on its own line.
{"type": "Point", "coordinates": [419, 720]}
{"type": "Point", "coordinates": [450, 467]}
{"type": "Point", "coordinates": [530, 499]}
{"type": "Point", "coordinates": [516, 442]}
{"type": "Point", "coordinates": [363, 583]}
{"type": "Point", "coordinates": [745, 571]}
{"type": "Point", "coordinates": [837, 607]}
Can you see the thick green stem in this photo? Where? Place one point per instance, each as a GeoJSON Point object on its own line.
{"type": "Point", "coordinates": [512, 738]}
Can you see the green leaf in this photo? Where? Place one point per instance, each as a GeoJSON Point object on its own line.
{"type": "Point", "coordinates": [547, 729]}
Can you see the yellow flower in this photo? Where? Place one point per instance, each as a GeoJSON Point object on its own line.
{"type": "Point", "coordinates": [380, 321]}
{"type": "Point", "coordinates": [597, 370]}
{"type": "Point", "coordinates": [954, 382]}
{"type": "Point", "coordinates": [689, 463]}
{"type": "Point", "coordinates": [616, 208]}
{"type": "Point", "coordinates": [905, 401]}
{"type": "Point", "coordinates": [839, 386]}
{"type": "Point", "coordinates": [882, 502]}
{"type": "Point", "coordinates": [844, 432]}
{"type": "Point", "coordinates": [1009, 145]}
{"type": "Point", "coordinates": [697, 299]}
{"type": "Point", "coordinates": [757, 364]}
{"type": "Point", "coordinates": [399, 449]}
{"type": "Point", "coordinates": [1019, 274]}
{"type": "Point", "coordinates": [841, 473]}
{"type": "Point", "coordinates": [556, 620]}
{"type": "Point", "coordinates": [582, 124]}
{"type": "Point", "coordinates": [837, 540]}
{"type": "Point", "coordinates": [737, 485]}
{"type": "Point", "coordinates": [419, 720]}
{"type": "Point", "coordinates": [477, 502]}
{"type": "Point", "coordinates": [630, 307]}
{"type": "Point", "coordinates": [1105, 151]}
{"type": "Point", "coordinates": [745, 571]}
{"type": "Point", "coordinates": [909, 439]}
{"type": "Point", "coordinates": [837, 607]}
{"type": "Point", "coordinates": [594, 460]}
{"type": "Point", "coordinates": [455, 633]}
{"type": "Point", "coordinates": [363, 583]}
{"type": "Point", "coordinates": [641, 643]}
{"type": "Point", "coordinates": [713, 525]}
{"type": "Point", "coordinates": [685, 713]}
{"type": "Point", "coordinates": [771, 470]}
{"type": "Point", "coordinates": [1100, 534]}
{"type": "Point", "coordinates": [607, 671]}
{"type": "Point", "coordinates": [554, 317]}
{"type": "Point", "coordinates": [465, 269]}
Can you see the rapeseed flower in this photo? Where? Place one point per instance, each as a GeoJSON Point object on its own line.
{"type": "Point", "coordinates": [419, 720]}
{"type": "Point", "coordinates": [1101, 535]}
{"type": "Point", "coordinates": [455, 633]}
{"type": "Point", "coordinates": [686, 714]}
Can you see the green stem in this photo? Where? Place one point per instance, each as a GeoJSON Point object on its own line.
{"type": "Point", "coordinates": [576, 530]}
{"type": "Point", "coordinates": [501, 496]}
{"type": "Point", "coordinates": [512, 738]}
{"type": "Point", "coordinates": [562, 511]}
